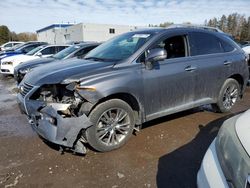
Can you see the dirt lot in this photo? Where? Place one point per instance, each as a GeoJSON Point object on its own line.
{"type": "Point", "coordinates": [166, 153]}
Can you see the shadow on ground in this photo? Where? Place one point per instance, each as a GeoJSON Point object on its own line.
{"type": "Point", "coordinates": [179, 168]}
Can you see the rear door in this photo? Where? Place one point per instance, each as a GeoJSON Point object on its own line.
{"type": "Point", "coordinates": [213, 65]}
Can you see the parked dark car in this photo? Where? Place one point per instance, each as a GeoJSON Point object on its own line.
{"type": "Point", "coordinates": [77, 51]}
{"type": "Point", "coordinates": [21, 49]}
{"type": "Point", "coordinates": [128, 80]}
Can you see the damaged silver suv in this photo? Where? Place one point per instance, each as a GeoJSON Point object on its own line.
{"type": "Point", "coordinates": [130, 79]}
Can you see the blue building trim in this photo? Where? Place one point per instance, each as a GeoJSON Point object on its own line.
{"type": "Point", "coordinates": [53, 26]}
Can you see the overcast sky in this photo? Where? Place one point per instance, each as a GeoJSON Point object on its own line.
{"type": "Point", "coordinates": [31, 15]}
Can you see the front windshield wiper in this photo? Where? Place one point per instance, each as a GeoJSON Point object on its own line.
{"type": "Point", "coordinates": [95, 59]}
{"type": "Point", "coordinates": [100, 59]}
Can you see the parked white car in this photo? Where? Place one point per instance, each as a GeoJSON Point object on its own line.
{"type": "Point", "coordinates": [9, 45]}
{"type": "Point", "coordinates": [9, 63]}
{"type": "Point", "coordinates": [246, 49]}
{"type": "Point", "coordinates": [227, 160]}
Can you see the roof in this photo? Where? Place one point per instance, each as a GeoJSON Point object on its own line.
{"type": "Point", "coordinates": [54, 26]}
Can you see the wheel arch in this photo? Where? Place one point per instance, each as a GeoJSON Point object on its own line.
{"type": "Point", "coordinates": [132, 101]}
{"type": "Point", "coordinates": [239, 79]}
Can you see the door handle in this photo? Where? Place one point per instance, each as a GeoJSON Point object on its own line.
{"type": "Point", "coordinates": [227, 62]}
{"type": "Point", "coordinates": [190, 68]}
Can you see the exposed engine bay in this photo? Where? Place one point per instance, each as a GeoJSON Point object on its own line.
{"type": "Point", "coordinates": [65, 95]}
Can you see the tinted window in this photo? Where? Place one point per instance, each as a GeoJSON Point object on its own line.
{"type": "Point", "coordinates": [8, 45]}
{"type": "Point", "coordinates": [32, 52]}
{"type": "Point", "coordinates": [175, 46]}
{"type": "Point", "coordinates": [28, 48]}
{"type": "Point", "coordinates": [203, 43]}
{"type": "Point", "coordinates": [83, 51]}
{"type": "Point", "coordinates": [226, 46]}
{"type": "Point", "coordinates": [48, 51]}
{"type": "Point", "coordinates": [64, 53]}
{"type": "Point", "coordinates": [60, 48]}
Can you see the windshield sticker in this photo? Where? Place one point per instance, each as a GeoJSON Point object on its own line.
{"type": "Point", "coordinates": [141, 36]}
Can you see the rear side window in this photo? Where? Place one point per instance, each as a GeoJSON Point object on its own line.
{"type": "Point", "coordinates": [226, 46]}
{"type": "Point", "coordinates": [203, 43]}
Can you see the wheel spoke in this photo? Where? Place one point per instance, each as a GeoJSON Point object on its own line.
{"type": "Point", "coordinates": [113, 126]}
{"type": "Point", "coordinates": [113, 138]}
{"type": "Point", "coordinates": [101, 134]}
{"type": "Point", "coordinates": [120, 115]}
{"type": "Point", "coordinates": [122, 130]}
{"type": "Point", "coordinates": [109, 138]}
{"type": "Point", "coordinates": [234, 93]}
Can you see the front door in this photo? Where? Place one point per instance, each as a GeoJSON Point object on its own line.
{"type": "Point", "coordinates": [169, 86]}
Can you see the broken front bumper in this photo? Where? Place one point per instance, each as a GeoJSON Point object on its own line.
{"type": "Point", "coordinates": [50, 125]}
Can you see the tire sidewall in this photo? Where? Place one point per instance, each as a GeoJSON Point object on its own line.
{"type": "Point", "coordinates": [228, 82]}
{"type": "Point", "coordinates": [94, 117]}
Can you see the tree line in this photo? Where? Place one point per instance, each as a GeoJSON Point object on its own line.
{"type": "Point", "coordinates": [7, 35]}
{"type": "Point", "coordinates": [235, 24]}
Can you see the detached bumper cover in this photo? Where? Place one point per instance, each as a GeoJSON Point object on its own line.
{"type": "Point", "coordinates": [50, 125]}
{"type": "Point", "coordinates": [210, 174]}
{"type": "Point", "coordinates": [66, 130]}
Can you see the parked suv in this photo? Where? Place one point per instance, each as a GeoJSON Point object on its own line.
{"type": "Point", "coordinates": [128, 80]}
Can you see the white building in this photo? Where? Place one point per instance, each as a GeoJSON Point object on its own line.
{"type": "Point", "coordinates": [66, 33]}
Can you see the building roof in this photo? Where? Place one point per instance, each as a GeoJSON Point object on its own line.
{"type": "Point", "coordinates": [54, 26]}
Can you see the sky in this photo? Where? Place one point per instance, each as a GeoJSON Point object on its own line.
{"type": "Point", "coordinates": [31, 15]}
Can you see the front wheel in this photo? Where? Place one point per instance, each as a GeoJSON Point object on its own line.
{"type": "Point", "coordinates": [229, 94]}
{"type": "Point", "coordinates": [113, 124]}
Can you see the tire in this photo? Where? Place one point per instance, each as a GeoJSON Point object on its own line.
{"type": "Point", "coordinates": [113, 124]}
{"type": "Point", "coordinates": [228, 96]}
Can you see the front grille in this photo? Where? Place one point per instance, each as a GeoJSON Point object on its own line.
{"type": "Point", "coordinates": [25, 88]}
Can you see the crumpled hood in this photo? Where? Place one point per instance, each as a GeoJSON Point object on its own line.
{"type": "Point", "coordinates": [242, 127]}
{"type": "Point", "coordinates": [33, 63]}
{"type": "Point", "coordinates": [58, 71]}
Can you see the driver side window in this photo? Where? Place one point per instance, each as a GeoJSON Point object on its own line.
{"type": "Point", "coordinates": [175, 46]}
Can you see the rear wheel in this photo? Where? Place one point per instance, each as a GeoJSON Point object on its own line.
{"type": "Point", "coordinates": [113, 124]}
{"type": "Point", "coordinates": [228, 96]}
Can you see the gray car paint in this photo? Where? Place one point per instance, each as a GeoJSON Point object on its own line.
{"type": "Point", "coordinates": [166, 89]}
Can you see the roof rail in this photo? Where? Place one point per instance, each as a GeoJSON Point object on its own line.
{"type": "Point", "coordinates": [215, 29]}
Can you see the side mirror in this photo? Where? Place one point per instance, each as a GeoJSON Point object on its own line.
{"type": "Point", "coordinates": [39, 54]}
{"type": "Point", "coordinates": [155, 55]}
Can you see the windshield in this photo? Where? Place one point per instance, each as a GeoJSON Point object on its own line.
{"type": "Point", "coordinates": [64, 53]}
{"type": "Point", "coordinates": [119, 48]}
{"type": "Point", "coordinates": [32, 52]}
